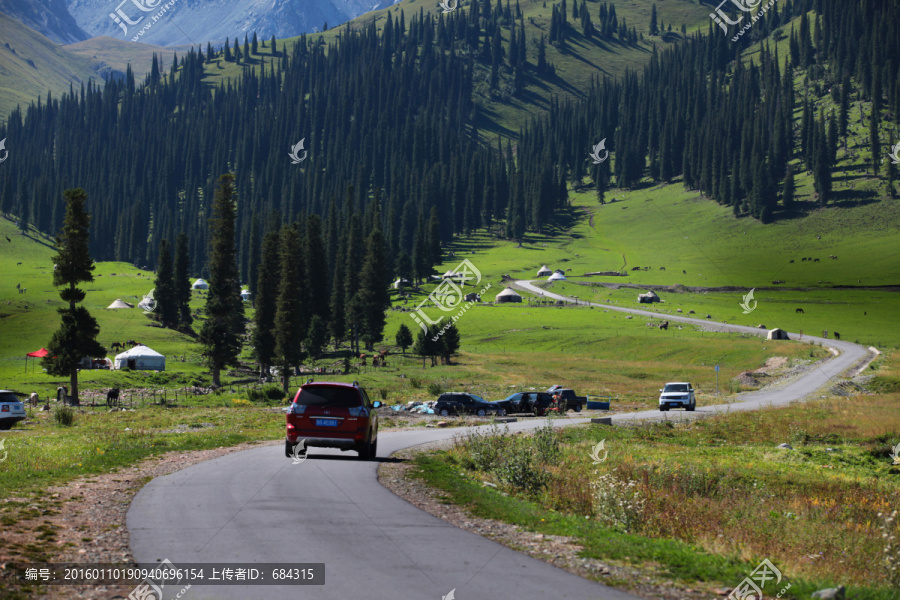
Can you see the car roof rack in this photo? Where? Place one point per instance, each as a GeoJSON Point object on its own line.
{"type": "Point", "coordinates": [310, 380]}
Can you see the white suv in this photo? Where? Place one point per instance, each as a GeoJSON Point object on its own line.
{"type": "Point", "coordinates": [678, 394]}
{"type": "Point", "coordinates": [11, 409]}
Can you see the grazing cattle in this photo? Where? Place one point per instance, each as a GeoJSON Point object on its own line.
{"type": "Point", "coordinates": [837, 336]}
{"type": "Point", "coordinates": [112, 397]}
{"type": "Point", "coordinates": [815, 260]}
{"type": "Point", "coordinates": [662, 268]}
{"type": "Point", "coordinates": [33, 399]}
{"type": "Point", "coordinates": [832, 256]}
{"type": "Point", "coordinates": [683, 272]}
{"type": "Point", "coordinates": [799, 311]}
{"type": "Point", "coordinates": [803, 259]}
{"type": "Point", "coordinates": [635, 268]}
{"type": "Point", "coordinates": [362, 359]}
{"type": "Point", "coordinates": [792, 261]}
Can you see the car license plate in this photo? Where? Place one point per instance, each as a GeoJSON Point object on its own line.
{"type": "Point", "coordinates": [326, 423]}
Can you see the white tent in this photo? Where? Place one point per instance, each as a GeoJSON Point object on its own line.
{"type": "Point", "coordinates": [450, 275]}
{"type": "Point", "coordinates": [245, 295]}
{"type": "Point", "coordinates": [777, 334]}
{"type": "Point", "coordinates": [141, 357]}
{"type": "Point", "coordinates": [648, 298]}
{"type": "Point", "coordinates": [400, 283]}
{"type": "Point", "coordinates": [200, 285]}
{"type": "Point", "coordinates": [544, 271]}
{"type": "Point", "coordinates": [557, 276]}
{"type": "Point", "coordinates": [508, 295]}
{"type": "Point", "coordinates": [119, 304]}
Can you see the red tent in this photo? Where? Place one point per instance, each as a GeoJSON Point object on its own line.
{"type": "Point", "coordinates": [36, 354]}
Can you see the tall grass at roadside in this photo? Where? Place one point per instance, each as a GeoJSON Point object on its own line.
{"type": "Point", "coordinates": [722, 484]}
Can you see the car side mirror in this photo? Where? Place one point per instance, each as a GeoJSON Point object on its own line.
{"type": "Point", "coordinates": [376, 404]}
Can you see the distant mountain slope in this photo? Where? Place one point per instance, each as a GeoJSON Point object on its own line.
{"type": "Point", "coordinates": [48, 17]}
{"type": "Point", "coordinates": [31, 64]}
{"type": "Point", "coordinates": [112, 56]}
{"type": "Point", "coordinates": [200, 21]}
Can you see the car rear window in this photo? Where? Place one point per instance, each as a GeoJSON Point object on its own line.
{"type": "Point", "coordinates": [329, 396]}
{"type": "Point", "coordinates": [676, 388]}
{"type": "Point", "coordinates": [8, 398]}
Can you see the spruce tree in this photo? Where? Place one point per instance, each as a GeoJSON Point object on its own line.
{"type": "Point", "coordinates": [166, 311]}
{"type": "Point", "coordinates": [290, 328]}
{"type": "Point", "coordinates": [76, 339]}
{"type": "Point", "coordinates": [223, 328]}
{"type": "Point", "coordinates": [266, 302]}
{"type": "Point", "coordinates": [875, 142]}
{"type": "Point", "coordinates": [404, 337]}
{"type": "Point", "coordinates": [373, 290]}
{"type": "Point", "coordinates": [449, 342]}
{"type": "Point", "coordinates": [787, 197]}
{"type": "Point", "coordinates": [182, 280]}
{"type": "Point", "coordinates": [654, 27]}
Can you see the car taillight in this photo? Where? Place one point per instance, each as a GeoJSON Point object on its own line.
{"type": "Point", "coordinates": [298, 409]}
{"type": "Point", "coordinates": [358, 411]}
{"type": "Point", "coordinates": [5, 408]}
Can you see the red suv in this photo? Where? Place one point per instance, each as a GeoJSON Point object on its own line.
{"type": "Point", "coordinates": [332, 415]}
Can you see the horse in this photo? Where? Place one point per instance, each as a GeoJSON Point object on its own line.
{"type": "Point", "coordinates": [112, 397]}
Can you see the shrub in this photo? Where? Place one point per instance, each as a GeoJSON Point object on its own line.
{"type": "Point", "coordinates": [415, 383]}
{"type": "Point", "coordinates": [521, 471]}
{"type": "Point", "coordinates": [254, 395]}
{"type": "Point", "coordinates": [64, 416]}
{"type": "Point", "coordinates": [435, 388]}
{"type": "Point", "coordinates": [383, 393]}
{"type": "Point", "coordinates": [618, 504]}
{"type": "Point", "coordinates": [891, 535]}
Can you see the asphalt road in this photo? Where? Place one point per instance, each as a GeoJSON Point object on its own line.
{"type": "Point", "coordinates": [256, 506]}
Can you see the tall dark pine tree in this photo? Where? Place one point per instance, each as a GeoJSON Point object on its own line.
{"type": "Point", "coordinates": [221, 332]}
{"type": "Point", "coordinates": [266, 303]}
{"type": "Point", "coordinates": [374, 297]}
{"type": "Point", "coordinates": [76, 337]}
{"type": "Point", "coordinates": [183, 282]}
{"type": "Point", "coordinates": [166, 311]}
{"type": "Point", "coordinates": [290, 328]}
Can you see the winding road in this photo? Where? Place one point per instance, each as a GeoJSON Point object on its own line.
{"type": "Point", "coordinates": [256, 506]}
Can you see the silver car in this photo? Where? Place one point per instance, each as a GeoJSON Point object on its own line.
{"type": "Point", "coordinates": [678, 394]}
{"type": "Point", "coordinates": [11, 409]}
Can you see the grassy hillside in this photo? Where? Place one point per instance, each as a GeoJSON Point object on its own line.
{"type": "Point", "coordinates": [31, 64]}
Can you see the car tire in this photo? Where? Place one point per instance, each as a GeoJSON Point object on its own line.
{"type": "Point", "coordinates": [481, 412]}
{"type": "Point", "coordinates": [289, 449]}
{"type": "Point", "coordinates": [663, 408]}
{"type": "Point", "coordinates": [445, 412]}
{"type": "Point", "coordinates": [577, 408]}
{"type": "Point", "coordinates": [691, 407]}
{"type": "Point", "coordinates": [367, 451]}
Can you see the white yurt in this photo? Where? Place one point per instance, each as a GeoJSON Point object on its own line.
{"type": "Point", "coordinates": [400, 283]}
{"type": "Point", "coordinates": [119, 304]}
{"type": "Point", "coordinates": [777, 334]}
{"type": "Point", "coordinates": [245, 295]}
{"type": "Point", "coordinates": [557, 276]}
{"type": "Point", "coordinates": [648, 298]}
{"type": "Point", "coordinates": [200, 284]}
{"type": "Point", "coordinates": [508, 295]}
{"type": "Point", "coordinates": [141, 358]}
{"type": "Point", "coordinates": [544, 271]}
